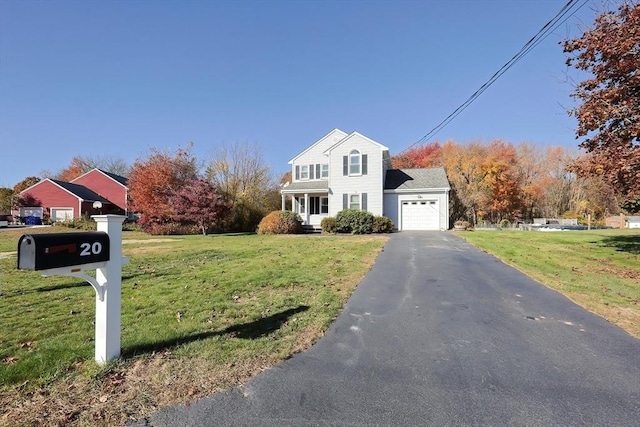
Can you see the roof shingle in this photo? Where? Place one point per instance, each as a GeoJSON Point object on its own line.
{"type": "Point", "coordinates": [416, 179]}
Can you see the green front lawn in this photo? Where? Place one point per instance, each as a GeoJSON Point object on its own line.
{"type": "Point", "coordinates": [199, 313]}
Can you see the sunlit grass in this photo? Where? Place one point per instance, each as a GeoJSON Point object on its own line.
{"type": "Point", "coordinates": [213, 301]}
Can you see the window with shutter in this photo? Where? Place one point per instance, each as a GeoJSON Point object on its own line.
{"type": "Point", "coordinates": [354, 201]}
{"type": "Point", "coordinates": [354, 162]}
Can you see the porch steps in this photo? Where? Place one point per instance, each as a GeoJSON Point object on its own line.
{"type": "Point", "coordinates": [312, 229]}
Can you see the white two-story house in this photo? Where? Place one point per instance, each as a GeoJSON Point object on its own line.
{"type": "Point", "coordinates": [341, 171]}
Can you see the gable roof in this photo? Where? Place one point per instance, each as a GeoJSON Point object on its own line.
{"type": "Point", "coordinates": [353, 134]}
{"type": "Point", "coordinates": [416, 179]}
{"type": "Point", "coordinates": [79, 191]}
{"type": "Point", "coordinates": [341, 134]}
{"type": "Point", "coordinates": [119, 179]}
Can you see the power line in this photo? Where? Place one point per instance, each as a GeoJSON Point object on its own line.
{"type": "Point", "coordinates": [542, 34]}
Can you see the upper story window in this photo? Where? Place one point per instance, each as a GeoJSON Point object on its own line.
{"type": "Point", "coordinates": [313, 171]}
{"type": "Point", "coordinates": [354, 162]}
{"type": "Point", "coordinates": [325, 170]}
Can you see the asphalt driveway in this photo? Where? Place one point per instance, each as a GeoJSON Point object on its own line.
{"type": "Point", "coordinates": [442, 334]}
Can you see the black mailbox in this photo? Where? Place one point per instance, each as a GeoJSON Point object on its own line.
{"type": "Point", "coordinates": [46, 251]}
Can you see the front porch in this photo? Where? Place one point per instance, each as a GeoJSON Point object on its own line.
{"type": "Point", "coordinates": [310, 200]}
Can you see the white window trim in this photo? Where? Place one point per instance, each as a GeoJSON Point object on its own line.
{"type": "Point", "coordinates": [358, 154]}
{"type": "Point", "coordinates": [302, 172]}
{"type": "Point", "coordinates": [359, 201]}
{"type": "Point", "coordinates": [324, 198]}
{"type": "Point", "coordinates": [324, 171]}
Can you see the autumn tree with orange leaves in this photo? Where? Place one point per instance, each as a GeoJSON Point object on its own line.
{"type": "Point", "coordinates": [609, 110]}
{"type": "Point", "coordinates": [154, 181]}
{"type": "Point", "coordinates": [499, 180]}
{"type": "Point", "coordinates": [77, 167]}
{"type": "Point", "coordinates": [82, 164]}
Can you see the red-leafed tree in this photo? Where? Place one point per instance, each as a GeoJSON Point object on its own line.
{"type": "Point", "coordinates": [154, 181]}
{"type": "Point", "coordinates": [609, 111]}
{"type": "Point", "coordinates": [198, 203]}
{"type": "Point", "coordinates": [423, 156]}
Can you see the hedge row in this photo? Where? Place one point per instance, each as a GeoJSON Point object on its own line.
{"type": "Point", "coordinates": [356, 221]}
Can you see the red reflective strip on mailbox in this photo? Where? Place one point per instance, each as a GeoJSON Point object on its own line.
{"type": "Point", "coordinates": [54, 250]}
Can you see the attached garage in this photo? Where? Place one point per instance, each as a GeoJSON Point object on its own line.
{"type": "Point", "coordinates": [420, 215]}
{"type": "Point", "coordinates": [417, 199]}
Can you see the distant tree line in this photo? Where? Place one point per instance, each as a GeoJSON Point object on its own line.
{"type": "Point", "coordinates": [499, 180]}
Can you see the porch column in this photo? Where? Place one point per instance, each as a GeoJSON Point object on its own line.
{"type": "Point", "coordinates": [306, 207]}
{"type": "Point", "coordinates": [284, 201]}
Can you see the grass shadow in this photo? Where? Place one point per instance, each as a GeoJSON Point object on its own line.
{"type": "Point", "coordinates": [629, 243]}
{"type": "Point", "coordinates": [49, 288]}
{"type": "Point", "coordinates": [251, 330]}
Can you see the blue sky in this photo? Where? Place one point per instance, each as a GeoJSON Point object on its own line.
{"type": "Point", "coordinates": [115, 78]}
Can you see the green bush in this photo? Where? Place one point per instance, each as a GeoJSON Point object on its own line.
{"type": "Point", "coordinates": [328, 225]}
{"type": "Point", "coordinates": [82, 223]}
{"type": "Point", "coordinates": [382, 224]}
{"type": "Point", "coordinates": [354, 221]}
{"type": "Point", "coordinates": [281, 222]}
{"type": "Point", "coordinates": [505, 223]}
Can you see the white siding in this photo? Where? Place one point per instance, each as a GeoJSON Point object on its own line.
{"type": "Point", "coordinates": [315, 154]}
{"type": "Point", "coordinates": [393, 206]}
{"type": "Point", "coordinates": [372, 183]}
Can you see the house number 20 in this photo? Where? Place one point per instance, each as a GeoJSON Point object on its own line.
{"type": "Point", "coordinates": [89, 249]}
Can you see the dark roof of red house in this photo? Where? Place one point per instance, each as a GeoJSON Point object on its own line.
{"type": "Point", "coordinates": [80, 191]}
{"type": "Point", "coordinates": [121, 179]}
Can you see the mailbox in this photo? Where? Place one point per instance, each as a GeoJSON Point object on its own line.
{"type": "Point", "coordinates": [54, 250]}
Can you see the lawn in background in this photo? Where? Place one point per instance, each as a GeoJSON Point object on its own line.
{"type": "Point", "coordinates": [599, 270]}
{"type": "Point", "coordinates": [199, 314]}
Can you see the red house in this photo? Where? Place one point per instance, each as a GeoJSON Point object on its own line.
{"type": "Point", "coordinates": [108, 185]}
{"type": "Point", "coordinates": [95, 192]}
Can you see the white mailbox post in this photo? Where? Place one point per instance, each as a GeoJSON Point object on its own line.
{"type": "Point", "coordinates": [71, 254]}
{"type": "Point", "coordinates": [108, 308]}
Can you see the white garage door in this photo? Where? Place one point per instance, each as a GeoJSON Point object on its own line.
{"type": "Point", "coordinates": [61, 214]}
{"type": "Point", "coordinates": [420, 215]}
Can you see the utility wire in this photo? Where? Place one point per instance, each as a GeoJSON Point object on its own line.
{"type": "Point", "coordinates": [542, 34]}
